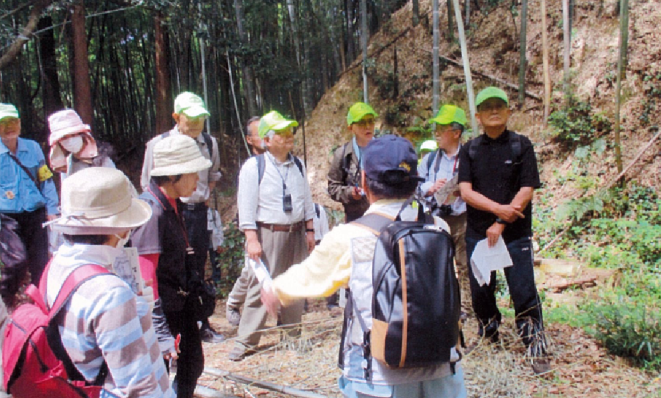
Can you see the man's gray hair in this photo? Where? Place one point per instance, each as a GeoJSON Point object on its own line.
{"type": "Point", "coordinates": [457, 126]}
{"type": "Point", "coordinates": [249, 122]}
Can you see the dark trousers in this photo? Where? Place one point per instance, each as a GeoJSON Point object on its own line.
{"type": "Point", "coordinates": [215, 266]}
{"type": "Point", "coordinates": [521, 283]}
{"type": "Point", "coordinates": [35, 239]}
{"type": "Point", "coordinates": [191, 358]}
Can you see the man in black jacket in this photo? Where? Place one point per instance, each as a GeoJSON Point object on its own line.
{"type": "Point", "coordinates": [497, 177]}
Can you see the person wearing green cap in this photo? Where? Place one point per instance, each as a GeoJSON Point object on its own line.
{"type": "Point", "coordinates": [276, 215]}
{"type": "Point", "coordinates": [27, 194]}
{"type": "Point", "coordinates": [497, 177]}
{"type": "Point", "coordinates": [190, 113]}
{"type": "Point", "coordinates": [344, 173]}
{"type": "Point", "coordinates": [440, 169]}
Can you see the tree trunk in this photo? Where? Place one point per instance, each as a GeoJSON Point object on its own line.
{"type": "Point", "coordinates": [51, 84]}
{"type": "Point", "coordinates": [364, 35]}
{"type": "Point", "coordinates": [545, 62]}
{"type": "Point", "coordinates": [416, 12]}
{"type": "Point", "coordinates": [351, 52]}
{"type": "Point", "coordinates": [248, 78]}
{"type": "Point", "coordinates": [522, 53]}
{"type": "Point", "coordinates": [567, 47]}
{"type": "Point", "coordinates": [162, 96]}
{"type": "Point", "coordinates": [467, 69]}
{"type": "Point", "coordinates": [450, 24]}
{"type": "Point", "coordinates": [17, 45]}
{"type": "Point", "coordinates": [82, 88]}
{"type": "Point", "coordinates": [621, 73]}
{"type": "Point", "coordinates": [435, 61]}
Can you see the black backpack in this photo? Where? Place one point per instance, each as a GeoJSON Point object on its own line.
{"type": "Point", "coordinates": [416, 301]}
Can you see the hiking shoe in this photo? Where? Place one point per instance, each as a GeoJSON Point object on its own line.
{"type": "Point", "coordinates": [233, 316]}
{"type": "Point", "coordinates": [490, 331]}
{"type": "Point", "coordinates": [541, 365]}
{"type": "Point", "coordinates": [208, 335]}
{"type": "Point", "coordinates": [239, 353]}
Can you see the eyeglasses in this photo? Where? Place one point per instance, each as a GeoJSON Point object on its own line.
{"type": "Point", "coordinates": [285, 133]}
{"type": "Point", "coordinates": [365, 122]}
{"type": "Point", "coordinates": [439, 133]}
{"type": "Point", "coordinates": [9, 121]}
{"type": "Point", "coordinates": [494, 106]}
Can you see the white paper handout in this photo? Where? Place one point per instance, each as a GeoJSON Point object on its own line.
{"type": "Point", "coordinates": [486, 259]}
{"type": "Point", "coordinates": [127, 267]}
{"type": "Point", "coordinates": [262, 274]}
{"type": "Point", "coordinates": [442, 194]}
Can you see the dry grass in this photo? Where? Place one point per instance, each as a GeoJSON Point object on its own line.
{"type": "Point", "coordinates": [580, 367]}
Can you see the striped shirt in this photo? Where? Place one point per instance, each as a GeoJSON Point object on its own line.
{"type": "Point", "coordinates": [105, 321]}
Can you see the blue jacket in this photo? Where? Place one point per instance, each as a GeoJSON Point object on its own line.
{"type": "Point", "coordinates": [18, 192]}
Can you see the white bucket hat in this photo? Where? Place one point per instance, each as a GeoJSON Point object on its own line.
{"type": "Point", "coordinates": [178, 154]}
{"type": "Point", "coordinates": [100, 201]}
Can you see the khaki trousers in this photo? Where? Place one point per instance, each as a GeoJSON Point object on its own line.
{"type": "Point", "coordinates": [458, 231]}
{"type": "Point", "coordinates": [280, 250]}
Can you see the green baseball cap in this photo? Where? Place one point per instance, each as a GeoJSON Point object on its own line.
{"type": "Point", "coordinates": [358, 111]}
{"type": "Point", "coordinates": [8, 110]}
{"type": "Point", "coordinates": [190, 105]}
{"type": "Point", "coordinates": [491, 92]}
{"type": "Point", "coordinates": [450, 114]}
{"type": "Point", "coordinates": [273, 121]}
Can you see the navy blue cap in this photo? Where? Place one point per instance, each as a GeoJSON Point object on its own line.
{"type": "Point", "coordinates": [390, 160]}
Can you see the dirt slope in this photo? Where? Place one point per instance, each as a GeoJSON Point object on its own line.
{"type": "Point", "coordinates": [493, 49]}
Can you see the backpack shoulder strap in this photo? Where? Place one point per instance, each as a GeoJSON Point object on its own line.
{"type": "Point", "coordinates": [208, 143]}
{"type": "Point", "coordinates": [260, 168]}
{"type": "Point", "coordinates": [165, 135]}
{"type": "Point", "coordinates": [374, 222]}
{"type": "Point", "coordinates": [298, 163]}
{"type": "Point", "coordinates": [346, 161]}
{"type": "Point", "coordinates": [515, 143]}
{"type": "Point", "coordinates": [430, 160]}
{"type": "Point", "coordinates": [472, 148]}
{"type": "Point", "coordinates": [79, 276]}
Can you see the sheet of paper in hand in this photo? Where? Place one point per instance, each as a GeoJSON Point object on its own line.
{"type": "Point", "coordinates": [442, 194]}
{"type": "Point", "coordinates": [127, 267]}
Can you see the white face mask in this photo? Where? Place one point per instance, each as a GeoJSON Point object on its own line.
{"type": "Point", "coordinates": [122, 241]}
{"type": "Point", "coordinates": [72, 144]}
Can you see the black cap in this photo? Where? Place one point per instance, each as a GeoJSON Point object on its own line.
{"type": "Point", "coordinates": [390, 160]}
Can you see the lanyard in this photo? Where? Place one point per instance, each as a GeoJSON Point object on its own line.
{"type": "Point", "coordinates": [284, 179]}
{"type": "Point", "coordinates": [189, 248]}
{"type": "Point", "coordinates": [438, 162]}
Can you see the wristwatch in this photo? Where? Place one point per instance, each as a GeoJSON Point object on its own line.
{"type": "Point", "coordinates": [500, 221]}
{"type": "Point", "coordinates": [309, 230]}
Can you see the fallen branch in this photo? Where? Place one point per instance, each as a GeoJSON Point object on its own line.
{"type": "Point", "coordinates": [262, 384]}
{"type": "Point", "coordinates": [494, 78]}
{"type": "Point", "coordinates": [609, 185]}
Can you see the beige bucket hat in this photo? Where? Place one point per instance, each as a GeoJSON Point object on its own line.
{"type": "Point", "coordinates": [178, 154]}
{"type": "Point", "coordinates": [100, 201]}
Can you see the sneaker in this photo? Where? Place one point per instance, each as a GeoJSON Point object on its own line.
{"type": "Point", "coordinates": [233, 316]}
{"type": "Point", "coordinates": [541, 365]}
{"type": "Point", "coordinates": [209, 335]}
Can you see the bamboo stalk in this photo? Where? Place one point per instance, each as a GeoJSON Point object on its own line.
{"type": "Point", "coordinates": [435, 63]}
{"type": "Point", "coordinates": [467, 69]}
{"type": "Point", "coordinates": [363, 38]}
{"type": "Point", "coordinates": [566, 24]}
{"type": "Point", "coordinates": [522, 53]}
{"type": "Point", "coordinates": [621, 66]}
{"type": "Point", "coordinates": [262, 384]}
{"type": "Point", "coordinates": [545, 57]}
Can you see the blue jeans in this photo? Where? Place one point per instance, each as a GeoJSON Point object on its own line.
{"type": "Point", "coordinates": [451, 386]}
{"type": "Point", "coordinates": [521, 282]}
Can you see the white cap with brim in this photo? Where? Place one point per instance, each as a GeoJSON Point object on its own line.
{"type": "Point", "coordinates": [99, 201]}
{"type": "Point", "coordinates": [178, 154]}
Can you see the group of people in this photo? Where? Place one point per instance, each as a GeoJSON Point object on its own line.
{"type": "Point", "coordinates": [481, 189]}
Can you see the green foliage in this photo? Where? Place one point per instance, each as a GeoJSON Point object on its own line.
{"type": "Point", "coordinates": [652, 87]}
{"type": "Point", "coordinates": [232, 258]}
{"type": "Point", "coordinates": [627, 320]}
{"type": "Point", "coordinates": [576, 123]}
